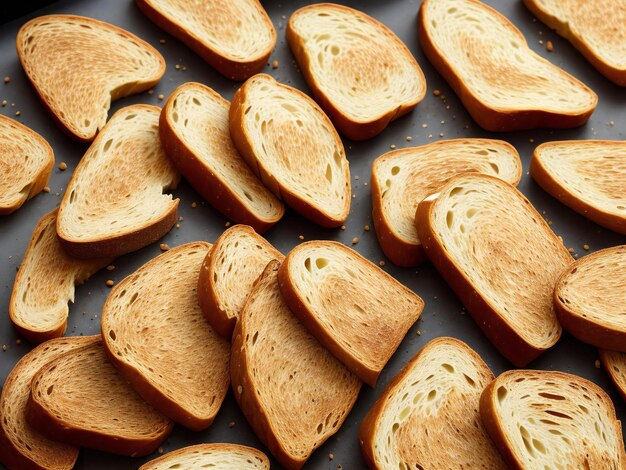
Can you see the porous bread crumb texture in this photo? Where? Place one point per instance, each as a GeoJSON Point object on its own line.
{"type": "Point", "coordinates": [359, 320]}
{"type": "Point", "coordinates": [430, 417]}
{"type": "Point", "coordinates": [237, 29]}
{"type": "Point", "coordinates": [26, 160]}
{"type": "Point", "coordinates": [304, 392]}
{"type": "Point", "coordinates": [407, 176]}
{"type": "Point", "coordinates": [220, 456]}
{"type": "Point", "coordinates": [359, 64]}
{"type": "Point", "coordinates": [614, 363]}
{"type": "Point", "coordinates": [557, 421]}
{"type": "Point", "coordinates": [118, 185]}
{"type": "Point", "coordinates": [594, 288]}
{"type": "Point", "coordinates": [78, 65]}
{"type": "Point", "coordinates": [45, 281]}
{"type": "Point", "coordinates": [239, 257]}
{"type": "Point", "coordinates": [592, 171]}
{"type": "Point", "coordinates": [15, 392]}
{"type": "Point", "coordinates": [199, 117]}
{"type": "Point", "coordinates": [153, 325]}
{"type": "Point", "coordinates": [493, 60]}
{"type": "Point", "coordinates": [505, 250]}
{"type": "Point", "coordinates": [83, 390]}
{"type": "Point", "coordinates": [296, 144]}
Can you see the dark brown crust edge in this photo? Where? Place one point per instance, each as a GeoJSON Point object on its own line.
{"type": "Point", "coordinates": [354, 130]}
{"type": "Point", "coordinates": [489, 118]}
{"type": "Point", "coordinates": [154, 464]}
{"type": "Point", "coordinates": [606, 363]}
{"type": "Point", "coordinates": [232, 69]}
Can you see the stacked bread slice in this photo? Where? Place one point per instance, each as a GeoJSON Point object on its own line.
{"type": "Point", "coordinates": [220, 456]}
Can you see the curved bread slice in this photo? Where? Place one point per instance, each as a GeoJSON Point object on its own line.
{"type": "Point", "coordinates": [155, 334]}
{"type": "Point", "coordinates": [194, 132]}
{"type": "Point", "coordinates": [219, 456]}
{"type": "Point", "coordinates": [548, 419]}
{"type": "Point", "coordinates": [590, 299]}
{"type": "Point", "coordinates": [503, 84]}
{"type": "Point", "coordinates": [78, 65]}
{"type": "Point", "coordinates": [228, 273]}
{"type": "Point", "coordinates": [402, 178]}
{"type": "Point", "coordinates": [589, 176]}
{"type": "Point", "coordinates": [500, 257]}
{"type": "Point", "coordinates": [45, 284]}
{"type": "Point", "coordinates": [597, 29]}
{"type": "Point", "coordinates": [293, 392]}
{"type": "Point", "coordinates": [26, 160]}
{"type": "Point", "coordinates": [236, 37]}
{"type": "Point", "coordinates": [364, 325]}
{"type": "Point", "coordinates": [361, 73]}
{"type": "Point", "coordinates": [79, 398]}
{"type": "Point", "coordinates": [21, 445]}
{"type": "Point", "coordinates": [293, 147]}
{"type": "Point", "coordinates": [114, 203]}
{"type": "Point", "coordinates": [614, 362]}
{"type": "Point", "coordinates": [428, 417]}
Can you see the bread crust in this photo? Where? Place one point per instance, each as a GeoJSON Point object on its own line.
{"type": "Point", "coordinates": [352, 129]}
{"type": "Point", "coordinates": [489, 118]}
{"type": "Point", "coordinates": [229, 67]}
{"type": "Point", "coordinates": [164, 459]}
{"type": "Point", "coordinates": [543, 178]}
{"type": "Point", "coordinates": [606, 361]}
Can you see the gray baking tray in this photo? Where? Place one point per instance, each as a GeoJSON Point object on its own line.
{"type": "Point", "coordinates": [443, 314]}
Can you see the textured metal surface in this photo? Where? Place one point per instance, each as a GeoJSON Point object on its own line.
{"type": "Point", "coordinates": [443, 313]}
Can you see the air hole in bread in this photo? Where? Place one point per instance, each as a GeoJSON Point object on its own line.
{"type": "Point", "coordinates": [431, 395]}
{"type": "Point", "coordinates": [551, 396]}
{"type": "Point", "coordinates": [501, 394]}
{"type": "Point", "coordinates": [321, 263]}
{"type": "Point", "coordinates": [495, 168]}
{"type": "Point", "coordinates": [112, 335]}
{"type": "Point", "coordinates": [449, 218]}
{"type": "Point", "coordinates": [107, 145]}
{"type": "Point", "coordinates": [49, 390]}
{"type": "Point", "coordinates": [329, 173]}
{"type": "Point", "coordinates": [456, 190]}
{"type": "Point", "coordinates": [175, 116]}
{"type": "Point", "coordinates": [448, 367]}
{"type": "Point", "coordinates": [255, 337]}
{"type": "Point", "coordinates": [307, 264]}
{"type": "Point", "coordinates": [130, 116]}
{"type": "Point", "coordinates": [395, 170]}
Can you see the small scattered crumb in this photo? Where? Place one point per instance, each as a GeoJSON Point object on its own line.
{"type": "Point", "coordinates": [357, 177]}
{"type": "Point", "coordinates": [180, 219]}
{"type": "Point", "coordinates": [4, 347]}
{"type": "Point", "coordinates": [177, 67]}
{"type": "Point", "coordinates": [160, 450]}
{"type": "Point", "coordinates": [541, 42]}
{"type": "Point", "coordinates": [586, 247]}
{"type": "Point", "coordinates": [366, 228]}
{"type": "Point", "coordinates": [151, 92]}
{"type": "Point", "coordinates": [355, 240]}
{"type": "Point", "coordinates": [18, 341]}
{"type": "Point", "coordinates": [194, 205]}
{"type": "Point", "coordinates": [164, 246]}
{"type": "Point", "coordinates": [441, 134]}
{"type": "Point", "coordinates": [611, 123]}
{"type": "Point", "coordinates": [62, 166]}
{"type": "Point", "coordinates": [274, 64]}
{"type": "Point", "coordinates": [239, 389]}
{"type": "Point", "coordinates": [227, 224]}
{"type": "Point", "coordinates": [408, 138]}
{"type": "Point", "coordinates": [161, 96]}
{"type": "Point", "coordinates": [424, 126]}
{"type": "Point", "coordinates": [46, 189]}
{"type": "Point", "coordinates": [331, 456]}
{"type": "Point", "coordinates": [343, 227]}
{"type": "Point", "coordinates": [597, 364]}
{"type": "Point", "coordinates": [162, 41]}
{"type": "Point", "coordinates": [392, 146]}
{"type": "Point", "coordinates": [339, 467]}
{"type": "Point", "coordinates": [436, 92]}
{"type": "Point", "coordinates": [184, 69]}
{"type": "Point", "coordinates": [110, 283]}
{"type": "Point", "coordinates": [110, 267]}
{"type": "Point", "coordinates": [301, 237]}
{"type": "Point", "coordinates": [571, 250]}
{"type": "Point", "coordinates": [17, 113]}
{"type": "Point", "coordinates": [418, 333]}
{"type": "Point", "coordinates": [549, 46]}
{"type": "Point", "coordinates": [354, 196]}
{"type": "Point", "coordinates": [177, 225]}
{"type": "Point", "coordinates": [7, 79]}
{"type": "Point", "coordinates": [443, 122]}
{"type": "Point", "coordinates": [531, 140]}
{"type": "Point", "coordinates": [13, 105]}
{"type": "Point", "coordinates": [381, 262]}
{"type": "Point", "coordinates": [231, 424]}
{"type": "Point", "coordinates": [365, 184]}
{"type": "Point", "coordinates": [430, 136]}
{"type": "Point", "coordinates": [4, 103]}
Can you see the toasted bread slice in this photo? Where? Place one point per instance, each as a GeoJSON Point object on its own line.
{"type": "Point", "coordinates": [614, 362]}
{"type": "Point", "coordinates": [503, 84]}
{"type": "Point", "coordinates": [590, 299]}
{"type": "Point", "coordinates": [293, 392]}
{"type": "Point", "coordinates": [356, 325]}
{"type": "Point", "coordinates": [402, 178]}
{"type": "Point", "coordinates": [379, 79]}
{"type": "Point", "coordinates": [194, 132]}
{"type": "Point", "coordinates": [79, 65]}
{"type": "Point", "coordinates": [21, 445]}
{"type": "Point", "coordinates": [589, 176]}
{"type": "Point", "coordinates": [155, 334]}
{"type": "Point", "coordinates": [45, 284]}
{"type": "Point", "coordinates": [114, 203]}
{"type": "Point", "coordinates": [308, 170]}
{"type": "Point", "coordinates": [428, 416]}
{"type": "Point", "coordinates": [26, 160]}
{"type": "Point", "coordinates": [220, 456]}
{"type": "Point", "coordinates": [228, 273]}
{"type": "Point", "coordinates": [597, 29]}
{"type": "Point", "coordinates": [79, 398]}
{"type": "Point", "coordinates": [548, 419]}
{"type": "Point", "coordinates": [501, 259]}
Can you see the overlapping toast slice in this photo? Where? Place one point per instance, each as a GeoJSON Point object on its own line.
{"type": "Point", "coordinates": [155, 334]}
{"type": "Point", "coordinates": [220, 456]}
{"type": "Point", "coordinates": [194, 132]}
{"type": "Point", "coordinates": [500, 258]}
{"type": "Point", "coordinates": [78, 65]}
{"type": "Point", "coordinates": [549, 419]}
{"type": "Point", "coordinates": [428, 416]}
{"type": "Point", "coordinates": [80, 399]}
{"type": "Point", "coordinates": [360, 72]}
{"type": "Point", "coordinates": [354, 308]}
{"type": "Point", "coordinates": [590, 298]}
{"type": "Point", "coordinates": [293, 392]}
{"type": "Point", "coordinates": [114, 203]}
{"type": "Point", "coordinates": [26, 160]}
{"type": "Point", "coordinates": [502, 83]}
{"type": "Point", "coordinates": [228, 273]}
{"type": "Point", "coordinates": [293, 148]}
{"type": "Point", "coordinates": [21, 445]}
{"type": "Point", "coordinates": [597, 29]}
{"type": "Point", "coordinates": [402, 178]}
{"type": "Point", "coordinates": [45, 283]}
{"type": "Point", "coordinates": [614, 362]}
{"type": "Point", "coordinates": [589, 176]}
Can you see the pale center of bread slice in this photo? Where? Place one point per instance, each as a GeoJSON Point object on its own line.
{"type": "Point", "coordinates": [218, 456]}
{"type": "Point", "coordinates": [359, 64]}
{"type": "Point", "coordinates": [494, 61]}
